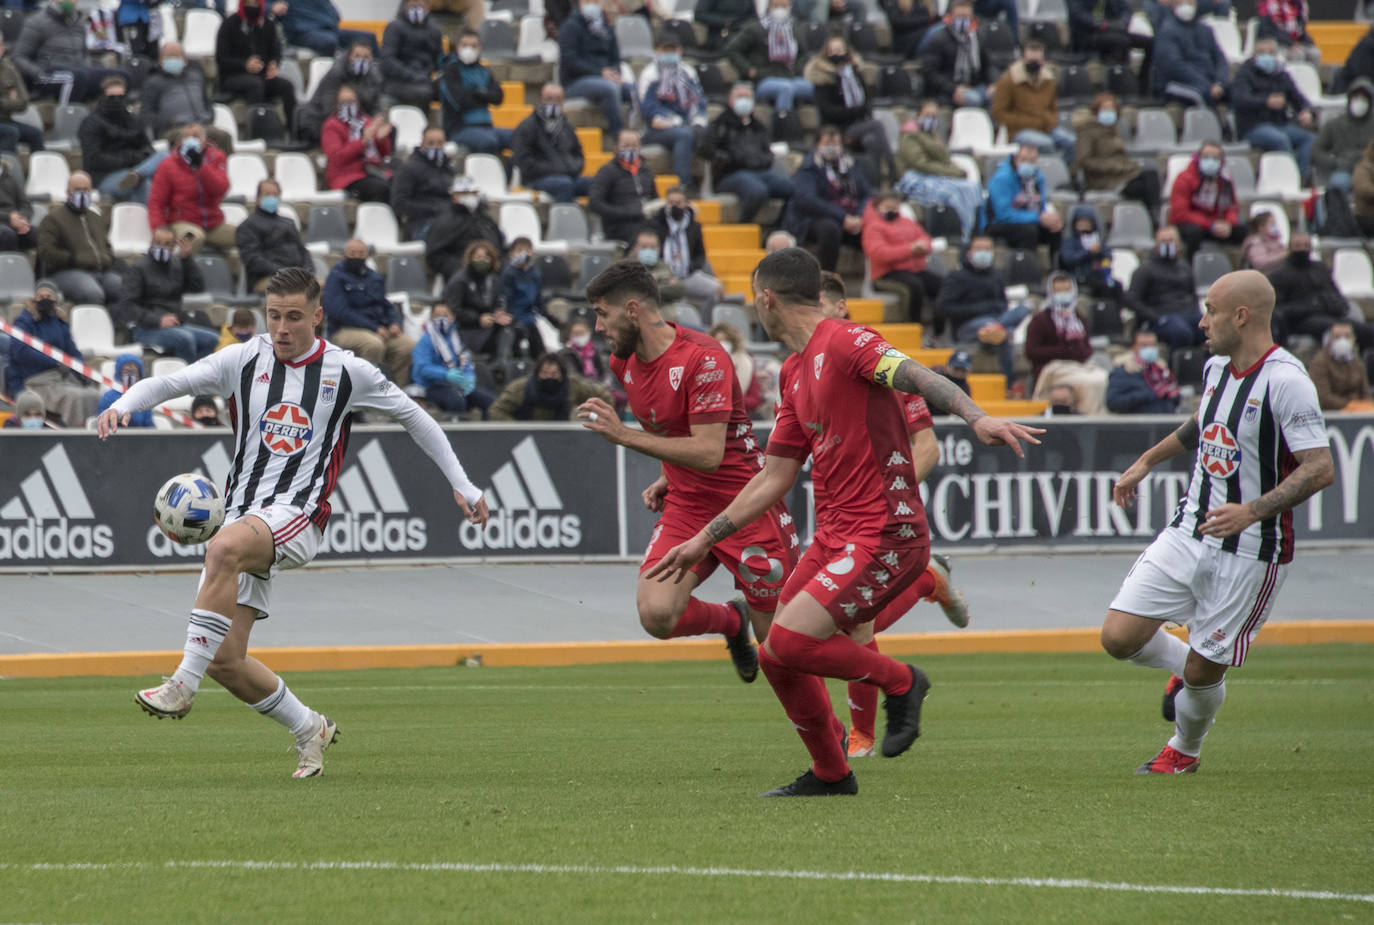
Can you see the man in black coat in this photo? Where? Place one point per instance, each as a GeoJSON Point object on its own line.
{"type": "Point", "coordinates": [739, 146]}
{"type": "Point", "coordinates": [1271, 113]}
{"type": "Point", "coordinates": [419, 188]}
{"type": "Point", "coordinates": [1163, 293]}
{"type": "Point", "coordinates": [175, 95]}
{"type": "Point", "coordinates": [268, 242]}
{"type": "Point", "coordinates": [623, 190]}
{"type": "Point", "coordinates": [411, 46]}
{"type": "Point", "coordinates": [464, 222]}
{"type": "Point", "coordinates": [955, 66]}
{"type": "Point", "coordinates": [17, 232]}
{"type": "Point", "coordinates": [684, 249]}
{"type": "Point", "coordinates": [973, 300]}
{"type": "Point", "coordinates": [1306, 300]}
{"type": "Point", "coordinates": [247, 56]}
{"type": "Point", "coordinates": [546, 148]}
{"type": "Point", "coordinates": [150, 302]}
{"type": "Point", "coordinates": [115, 149]}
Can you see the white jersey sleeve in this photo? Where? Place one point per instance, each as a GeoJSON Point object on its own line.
{"type": "Point", "coordinates": [213, 375]}
{"type": "Point", "coordinates": [373, 390]}
{"type": "Point", "coordinates": [1297, 411]}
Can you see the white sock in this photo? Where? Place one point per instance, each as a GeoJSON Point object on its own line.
{"type": "Point", "coordinates": [1164, 650]}
{"type": "Point", "coordinates": [287, 709]}
{"type": "Point", "coordinates": [1194, 711]}
{"type": "Point", "coordinates": [204, 633]}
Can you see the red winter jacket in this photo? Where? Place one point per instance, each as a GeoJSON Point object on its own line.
{"type": "Point", "coordinates": [1044, 343]}
{"type": "Point", "coordinates": [346, 161]}
{"type": "Point", "coordinates": [1181, 208]}
{"type": "Point", "coordinates": [180, 194]}
{"type": "Point", "coordinates": [887, 245]}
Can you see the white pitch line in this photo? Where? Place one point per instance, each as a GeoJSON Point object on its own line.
{"type": "Point", "coordinates": [461, 867]}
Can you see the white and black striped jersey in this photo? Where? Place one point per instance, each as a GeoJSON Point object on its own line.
{"type": "Point", "coordinates": [1250, 424]}
{"type": "Point", "coordinates": [291, 421]}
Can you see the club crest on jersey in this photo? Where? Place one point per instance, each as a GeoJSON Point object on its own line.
{"type": "Point", "coordinates": [286, 429]}
{"type": "Point", "coordinates": [1220, 451]}
{"type": "Point", "coordinates": [328, 387]}
{"type": "Point", "coordinates": [675, 377]}
{"type": "Point", "coordinates": [1252, 410]}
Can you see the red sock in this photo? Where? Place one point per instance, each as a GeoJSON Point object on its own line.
{"type": "Point", "coordinates": [703, 619]}
{"type": "Point", "coordinates": [920, 588]}
{"type": "Point", "coordinates": [807, 704]}
{"type": "Point", "coordinates": [838, 657]}
{"type": "Point", "coordinates": [863, 701]}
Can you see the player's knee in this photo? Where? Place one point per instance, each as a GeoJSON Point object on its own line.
{"type": "Point", "coordinates": [789, 648]}
{"type": "Point", "coordinates": [1114, 645]}
{"type": "Point", "coordinates": [657, 619]}
{"type": "Point", "coordinates": [226, 552]}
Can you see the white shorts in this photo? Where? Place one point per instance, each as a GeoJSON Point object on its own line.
{"type": "Point", "coordinates": [296, 540]}
{"type": "Point", "coordinates": [1222, 598]}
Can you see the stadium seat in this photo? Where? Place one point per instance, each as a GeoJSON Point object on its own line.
{"type": "Point", "coordinates": [1131, 227]}
{"type": "Point", "coordinates": [733, 315]}
{"type": "Point", "coordinates": [1154, 131]}
{"type": "Point", "coordinates": [290, 69]}
{"type": "Point", "coordinates": [1075, 86]}
{"type": "Point", "coordinates": [48, 175]}
{"type": "Point", "coordinates": [1228, 39]}
{"type": "Point", "coordinates": [971, 130]}
{"type": "Point", "coordinates": [1124, 264]}
{"type": "Point", "coordinates": [1187, 365]}
{"type": "Point", "coordinates": [235, 213]}
{"type": "Point", "coordinates": [376, 224]}
{"type": "Point", "coordinates": [225, 122]}
{"type": "Point", "coordinates": [592, 265]}
{"type": "Point", "coordinates": [555, 274]}
{"type": "Point", "coordinates": [1243, 176]}
{"type": "Point", "coordinates": [199, 33]}
{"type": "Point", "coordinates": [1279, 177]}
{"type": "Point", "coordinates": [969, 166]}
{"type": "Point", "coordinates": [633, 35]}
{"type": "Point", "coordinates": [1353, 273]}
{"type": "Point", "coordinates": [406, 274]}
{"type": "Point", "coordinates": [246, 171]}
{"type": "Point", "coordinates": [498, 40]}
{"type": "Point", "coordinates": [93, 331]}
{"type": "Point", "coordinates": [318, 68]}
{"type": "Point", "coordinates": [519, 219]}
{"type": "Point", "coordinates": [568, 223]}
{"type": "Point", "coordinates": [409, 124]}
{"type": "Point", "coordinates": [534, 42]}
{"type": "Point", "coordinates": [130, 235]}
{"type": "Point", "coordinates": [1209, 265]}
{"type": "Point", "coordinates": [490, 175]}
{"type": "Point", "coordinates": [299, 182]}
{"type": "Point", "coordinates": [1177, 162]}
{"type": "Point", "coordinates": [1024, 269]}
{"type": "Point", "coordinates": [162, 422]}
{"type": "Point", "coordinates": [327, 227]}
{"type": "Point", "coordinates": [66, 122]}
{"type": "Point", "coordinates": [1199, 124]}
{"type": "Point", "coordinates": [1056, 173]}
{"type": "Point", "coordinates": [16, 278]}
{"type": "Point", "coordinates": [1309, 84]}
{"type": "Point", "coordinates": [165, 366]}
{"type": "Point", "coordinates": [219, 282]}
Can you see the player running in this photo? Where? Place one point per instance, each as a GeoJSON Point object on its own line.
{"type": "Point", "coordinates": [682, 389]}
{"type": "Point", "coordinates": [871, 543]}
{"type": "Point", "coordinates": [1262, 450]}
{"type": "Point", "coordinates": [290, 396]}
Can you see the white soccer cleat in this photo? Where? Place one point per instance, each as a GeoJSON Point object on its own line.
{"type": "Point", "coordinates": [310, 753]}
{"type": "Point", "coordinates": [170, 698]}
{"type": "Point", "coordinates": [949, 598]}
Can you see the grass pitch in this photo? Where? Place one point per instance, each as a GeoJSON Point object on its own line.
{"type": "Point", "coordinates": [629, 793]}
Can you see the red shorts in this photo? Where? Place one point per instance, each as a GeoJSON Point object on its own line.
{"type": "Point", "coordinates": [856, 583]}
{"type": "Point", "coordinates": [761, 556]}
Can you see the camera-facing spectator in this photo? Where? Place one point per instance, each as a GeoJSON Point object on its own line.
{"type": "Point", "coordinates": [248, 57]}
{"type": "Point", "coordinates": [647, 248]}
{"type": "Point", "coordinates": [1140, 382]}
{"type": "Point", "coordinates": [1342, 140]}
{"type": "Point", "coordinates": [1306, 298]}
{"type": "Point", "coordinates": [74, 247]}
{"type": "Point", "coordinates": [1338, 372]}
{"type": "Point", "coordinates": [1085, 254]}
{"type": "Point", "coordinates": [684, 248]}
{"type": "Point", "coordinates": [355, 147]}
{"type": "Point", "coordinates": [522, 293]}
{"type": "Point", "coordinates": [733, 341]}
{"type": "Point", "coordinates": [765, 51]}
{"type": "Point", "coordinates": [458, 227]}
{"type": "Point", "coordinates": [14, 99]}
{"type": "Point", "coordinates": [740, 149]}
{"type": "Point", "coordinates": [30, 412]}
{"type": "Point", "coordinates": [549, 394]}
{"type": "Point", "coordinates": [547, 151]}
{"type": "Point", "coordinates": [1025, 103]}
{"type": "Point", "coordinates": [956, 70]}
{"type": "Point", "coordinates": [150, 303]}
{"type": "Point", "coordinates": [412, 44]}
{"type": "Point", "coordinates": [1271, 113]}
{"type": "Point", "coordinates": [1058, 349]}
{"type": "Point", "coordinates": [467, 91]}
{"type": "Point", "coordinates": [1285, 22]}
{"type": "Point", "coordinates": [1264, 248]}
{"type": "Point", "coordinates": [897, 249]}
{"type": "Point", "coordinates": [973, 301]}
{"type": "Point", "coordinates": [419, 188]}
{"type": "Point", "coordinates": [17, 232]}
{"type": "Point", "coordinates": [1100, 156]}
{"type": "Point", "coordinates": [52, 55]}
{"type": "Point", "coordinates": [1203, 204]}
{"type": "Point", "coordinates": [175, 94]}
{"type": "Point", "coordinates": [929, 175]}
{"type": "Point", "coordinates": [268, 241]}
{"type": "Point", "coordinates": [442, 364]}
{"type": "Point", "coordinates": [623, 192]}
{"type": "Point", "coordinates": [1189, 66]}
{"type": "Point", "coordinates": [128, 370]}
{"type": "Point", "coordinates": [589, 62]}
{"type": "Point", "coordinates": [828, 200]}
{"type": "Point", "coordinates": [474, 298]}
{"type": "Point", "coordinates": [115, 147]}
{"type": "Point", "coordinates": [359, 317]}
{"type": "Point", "coordinates": [673, 105]}
{"type": "Point", "coordinates": [1163, 293]}
{"type": "Point", "coordinates": [1063, 400]}
{"type": "Point", "coordinates": [580, 354]}
{"type": "Point", "coordinates": [188, 187]}
{"type": "Point", "coordinates": [1019, 209]}
{"type": "Point", "coordinates": [844, 100]}
{"type": "Point", "coordinates": [205, 412]}
{"type": "Point", "coordinates": [72, 398]}
{"type": "Point", "coordinates": [243, 324]}
{"type": "Point", "coordinates": [355, 69]}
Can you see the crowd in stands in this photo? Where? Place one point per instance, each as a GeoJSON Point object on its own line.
{"type": "Point", "coordinates": [1048, 196]}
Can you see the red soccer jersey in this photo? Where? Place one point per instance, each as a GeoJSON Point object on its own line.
{"type": "Point", "coordinates": [694, 382]}
{"type": "Point", "coordinates": [856, 434]}
{"type": "Point", "coordinates": [916, 413]}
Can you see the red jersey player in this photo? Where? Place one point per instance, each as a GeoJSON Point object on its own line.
{"type": "Point", "coordinates": [871, 540]}
{"type": "Point", "coordinates": [682, 388]}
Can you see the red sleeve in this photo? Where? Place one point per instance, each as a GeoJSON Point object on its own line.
{"type": "Point", "coordinates": [709, 378]}
{"type": "Point", "coordinates": [1181, 201]}
{"type": "Point", "coordinates": [857, 349]}
{"type": "Point", "coordinates": [917, 414]}
{"type": "Point", "coordinates": [787, 438]}
{"type": "Point", "coordinates": [214, 174]}
{"type": "Point", "coordinates": [158, 196]}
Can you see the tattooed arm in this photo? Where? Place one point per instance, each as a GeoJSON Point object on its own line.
{"type": "Point", "coordinates": [1183, 440]}
{"type": "Point", "coordinates": [1315, 471]}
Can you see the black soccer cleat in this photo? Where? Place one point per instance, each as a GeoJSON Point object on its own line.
{"type": "Point", "coordinates": [1170, 693]}
{"type": "Point", "coordinates": [741, 646]}
{"type": "Point", "coordinates": [904, 715]}
{"type": "Point", "coordinates": [809, 785]}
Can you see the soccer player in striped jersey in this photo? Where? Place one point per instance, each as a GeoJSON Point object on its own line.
{"type": "Point", "coordinates": [290, 398]}
{"type": "Point", "coordinates": [1217, 567]}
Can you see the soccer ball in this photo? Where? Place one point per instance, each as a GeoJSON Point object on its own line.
{"type": "Point", "coordinates": [189, 509]}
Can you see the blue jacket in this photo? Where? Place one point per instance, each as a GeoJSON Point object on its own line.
{"type": "Point", "coordinates": [356, 301]}
{"type": "Point", "coordinates": [428, 369]}
{"type": "Point", "coordinates": [1187, 53]}
{"type": "Point", "coordinates": [1077, 259]}
{"type": "Point", "coordinates": [136, 418]}
{"type": "Point", "coordinates": [1129, 393]}
{"type": "Point", "coordinates": [523, 292]}
{"type": "Point", "coordinates": [1250, 98]}
{"type": "Point", "coordinates": [306, 16]}
{"type": "Point", "coordinates": [813, 198]}
{"type": "Point", "coordinates": [582, 54]}
{"type": "Point", "coordinates": [467, 92]}
{"type": "Point", "coordinates": [652, 106]}
{"type": "Point", "coordinates": [1003, 190]}
{"type": "Point", "coordinates": [25, 361]}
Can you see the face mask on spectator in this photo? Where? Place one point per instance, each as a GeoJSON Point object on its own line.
{"type": "Point", "coordinates": [45, 307]}
{"type": "Point", "coordinates": [521, 259]}
{"type": "Point", "coordinates": [445, 326]}
{"type": "Point", "coordinates": [980, 260]}
{"type": "Point", "coordinates": [830, 153]}
{"type": "Point", "coordinates": [80, 200]}
{"type": "Point", "coordinates": [269, 204]}
{"type": "Point", "coordinates": [1342, 348]}
{"type": "Point", "coordinates": [1274, 231]}
{"type": "Point", "coordinates": [647, 256]}
{"type": "Point", "coordinates": [891, 215]}
{"type": "Point", "coordinates": [174, 66]}
{"type": "Point", "coordinates": [468, 54]}
{"type": "Point", "coordinates": [1062, 300]}
{"type": "Point", "coordinates": [1210, 166]}
{"type": "Point", "coordinates": [360, 66]}
{"type": "Point", "coordinates": [1089, 238]}
{"type": "Point", "coordinates": [348, 111]}
{"type": "Point", "coordinates": [1299, 258]}
{"type": "Point", "coordinates": [1358, 107]}
{"type": "Point", "coordinates": [743, 106]}
{"type": "Point", "coordinates": [31, 423]}
{"type": "Point", "coordinates": [928, 123]}
{"type": "Point", "coordinates": [961, 24]}
{"type": "Point", "coordinates": [416, 14]}
{"type": "Point", "coordinates": [1267, 62]}
{"type": "Point", "coordinates": [780, 14]}
{"type": "Point", "coordinates": [1185, 11]}
{"type": "Point", "coordinates": [1033, 67]}
{"type": "Point", "coordinates": [243, 335]}
{"type": "Point", "coordinates": [591, 10]}
{"type": "Point", "coordinates": [189, 145]}
{"type": "Point", "coordinates": [551, 386]}
{"type": "Point", "coordinates": [207, 420]}
{"type": "Point", "coordinates": [113, 105]}
{"type": "Point", "coordinates": [481, 266]}
{"type": "Point", "coordinates": [471, 201]}
{"type": "Point", "coordinates": [1025, 170]}
{"type": "Point", "coordinates": [355, 265]}
{"type": "Point", "coordinates": [1148, 355]}
{"type": "Point", "coordinates": [160, 254]}
{"type": "Point", "coordinates": [677, 213]}
{"type": "Point", "coordinates": [838, 60]}
{"type": "Point", "coordinates": [1106, 117]}
{"type": "Point", "coordinates": [551, 111]}
{"type": "Point", "coordinates": [669, 59]}
{"type": "Point", "coordinates": [1168, 250]}
{"type": "Point", "coordinates": [435, 155]}
{"type": "Point", "coordinates": [580, 340]}
{"type": "Point", "coordinates": [628, 155]}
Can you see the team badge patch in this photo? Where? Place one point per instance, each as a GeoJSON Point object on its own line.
{"type": "Point", "coordinates": [328, 387]}
{"type": "Point", "coordinates": [1220, 451]}
{"type": "Point", "coordinates": [675, 377]}
{"type": "Point", "coordinates": [1252, 410]}
{"type": "Point", "coordinates": [285, 429]}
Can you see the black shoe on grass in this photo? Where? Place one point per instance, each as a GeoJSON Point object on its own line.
{"type": "Point", "coordinates": [809, 785]}
{"type": "Point", "coordinates": [741, 645]}
{"type": "Point", "coordinates": [904, 715]}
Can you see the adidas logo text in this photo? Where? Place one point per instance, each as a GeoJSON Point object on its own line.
{"type": "Point", "coordinates": [37, 522]}
{"type": "Point", "coordinates": [526, 509]}
{"type": "Point", "coordinates": [368, 510]}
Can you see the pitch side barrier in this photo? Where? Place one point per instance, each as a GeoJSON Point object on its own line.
{"type": "Point", "coordinates": [557, 492]}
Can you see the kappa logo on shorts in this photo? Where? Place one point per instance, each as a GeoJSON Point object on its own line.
{"type": "Point", "coordinates": [286, 429]}
{"type": "Point", "coordinates": [675, 377]}
{"type": "Point", "coordinates": [1219, 450]}
{"type": "Point", "coordinates": [755, 565]}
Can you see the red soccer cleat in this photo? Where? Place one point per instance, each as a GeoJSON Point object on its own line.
{"type": "Point", "coordinates": [1170, 692]}
{"type": "Point", "coordinates": [1170, 761]}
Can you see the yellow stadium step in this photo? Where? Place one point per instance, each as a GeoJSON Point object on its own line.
{"type": "Point", "coordinates": [1015, 408]}
{"type": "Point", "coordinates": [590, 137]}
{"type": "Point", "coordinates": [509, 116]}
{"type": "Point", "coordinates": [708, 213]}
{"type": "Point", "coordinates": [664, 183]}
{"type": "Point", "coordinates": [930, 356]}
{"type": "Point", "coordinates": [737, 262]}
{"type": "Point", "coordinates": [739, 284]}
{"type": "Point", "coordinates": [987, 387]}
{"type": "Point", "coordinates": [595, 161]}
{"type": "Point", "coordinates": [905, 337]}
{"type": "Point", "coordinates": [514, 91]}
{"type": "Point", "coordinates": [865, 311]}
{"type": "Point", "coordinates": [730, 237]}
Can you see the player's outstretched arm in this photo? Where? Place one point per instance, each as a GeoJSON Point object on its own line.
{"type": "Point", "coordinates": [206, 375]}
{"type": "Point", "coordinates": [702, 450]}
{"type": "Point", "coordinates": [1315, 471]}
{"type": "Point", "coordinates": [1183, 440]}
{"type": "Point", "coordinates": [918, 379]}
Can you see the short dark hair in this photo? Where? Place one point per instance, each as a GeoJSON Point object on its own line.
{"type": "Point", "coordinates": [649, 229]}
{"type": "Point", "coordinates": [295, 281]}
{"type": "Point", "coordinates": [204, 401]}
{"type": "Point", "coordinates": [679, 188]}
{"type": "Point", "coordinates": [522, 242]}
{"type": "Point", "coordinates": [623, 279]}
{"type": "Point", "coordinates": [832, 285]}
{"type": "Point", "coordinates": [1033, 45]}
{"type": "Point", "coordinates": [793, 275]}
{"type": "Point", "coordinates": [828, 129]}
{"type": "Point", "coordinates": [114, 80]}
{"type": "Point", "coordinates": [360, 43]}
{"type": "Point", "coordinates": [469, 34]}
{"type": "Point", "coordinates": [243, 317]}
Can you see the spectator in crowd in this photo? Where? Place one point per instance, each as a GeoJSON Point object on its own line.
{"type": "Point", "coordinates": [188, 187]}
{"type": "Point", "coordinates": [549, 394]}
{"type": "Point", "coordinates": [928, 174]}
{"type": "Point", "coordinates": [580, 354]}
{"type": "Point", "coordinates": [1100, 156]}
{"type": "Point", "coordinates": [724, 19]}
{"type": "Point", "coordinates": [739, 146]}
{"type": "Point", "coordinates": [1306, 298]}
{"type": "Point", "coordinates": [1063, 400]}
{"type": "Point", "coordinates": [14, 99]}
{"type": "Point", "coordinates": [956, 71]}
{"type": "Point", "coordinates": [1342, 140]}
{"type": "Point", "coordinates": [778, 240]}
{"type": "Point", "coordinates": [684, 247]}
{"type": "Point", "coordinates": [1102, 28]}
{"type": "Point", "coordinates": [973, 302]}
{"type": "Point", "coordinates": [1338, 373]}
{"type": "Point", "coordinates": [546, 149]}
{"type": "Point", "coordinates": [733, 341]}
{"type": "Point", "coordinates": [673, 105]}
{"type": "Point", "coordinates": [1203, 204]}
{"type": "Point", "coordinates": [1362, 185]}
{"type": "Point", "coordinates": [314, 24]}
{"type": "Point", "coordinates": [115, 147]}
{"type": "Point", "coordinates": [1019, 211]}
{"type": "Point", "coordinates": [463, 223]}
{"type": "Point", "coordinates": [467, 91]}
{"type": "Point", "coordinates": [623, 192]}
{"type": "Point", "coordinates": [647, 248]}
{"type": "Point", "coordinates": [845, 101]}
{"type": "Point", "coordinates": [522, 294]}
{"type": "Point", "coordinates": [355, 147]}
{"type": "Point", "coordinates": [909, 20]}
{"type": "Point", "coordinates": [268, 241]}
{"type": "Point", "coordinates": [150, 303]}
{"type": "Point", "coordinates": [128, 369]}
{"type": "Point", "coordinates": [1189, 66]}
{"type": "Point", "coordinates": [473, 296]}
{"type": "Point", "coordinates": [16, 214]}
{"type": "Point", "coordinates": [589, 62]}
{"type": "Point", "coordinates": [1156, 11]}
{"type": "Point", "coordinates": [74, 247]}
{"type": "Point", "coordinates": [175, 94]}
{"type": "Point", "coordinates": [419, 188]}
{"type": "Point", "coordinates": [1263, 247]}
{"type": "Point", "coordinates": [897, 249]}
{"type": "Point", "coordinates": [765, 52]}
{"type": "Point", "coordinates": [358, 316]}
{"type": "Point", "coordinates": [1163, 294]}
{"type": "Point", "coordinates": [1359, 63]}
{"type": "Point", "coordinates": [205, 412]}
{"type": "Point", "coordinates": [30, 413]}
{"type": "Point", "coordinates": [828, 199]}
{"type": "Point", "coordinates": [1086, 257]}
{"type": "Point", "coordinates": [412, 44]}
{"type": "Point", "coordinates": [1270, 112]}
{"type": "Point", "coordinates": [242, 325]}
{"type": "Point", "coordinates": [354, 69]}
{"type": "Point", "coordinates": [1058, 349]}
{"type": "Point", "coordinates": [1285, 22]}
{"type": "Point", "coordinates": [1140, 382]}
{"type": "Point", "coordinates": [248, 56]}
{"type": "Point", "coordinates": [956, 369]}
{"type": "Point", "coordinates": [442, 364]}
{"type": "Point", "coordinates": [1025, 103]}
{"type": "Point", "coordinates": [51, 54]}
{"type": "Point", "coordinates": [63, 391]}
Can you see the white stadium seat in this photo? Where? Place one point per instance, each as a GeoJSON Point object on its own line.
{"type": "Point", "coordinates": [376, 225]}
{"type": "Point", "coordinates": [129, 231]}
{"type": "Point", "coordinates": [295, 172]}
{"type": "Point", "coordinates": [246, 171]}
{"type": "Point", "coordinates": [1353, 273]}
